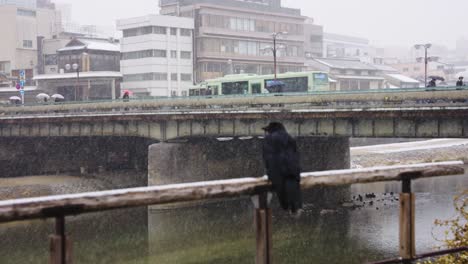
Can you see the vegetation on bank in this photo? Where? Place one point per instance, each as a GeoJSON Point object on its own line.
{"type": "Point", "coordinates": [456, 233]}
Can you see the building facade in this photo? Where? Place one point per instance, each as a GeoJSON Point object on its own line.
{"type": "Point", "coordinates": [88, 69]}
{"type": "Point", "coordinates": [349, 74]}
{"type": "Point", "coordinates": [157, 55]}
{"type": "Point", "coordinates": [342, 46]}
{"type": "Point", "coordinates": [313, 42]}
{"type": "Point", "coordinates": [22, 23]}
{"type": "Point", "coordinates": [235, 36]}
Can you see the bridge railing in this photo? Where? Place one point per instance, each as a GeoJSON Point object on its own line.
{"type": "Point", "coordinates": [382, 97]}
{"type": "Point", "coordinates": [59, 207]}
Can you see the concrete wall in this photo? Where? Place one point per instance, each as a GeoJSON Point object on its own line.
{"type": "Point", "coordinates": [205, 159]}
{"type": "Point", "coordinates": [48, 155]}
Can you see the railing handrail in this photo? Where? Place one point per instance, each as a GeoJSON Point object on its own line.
{"type": "Point", "coordinates": [74, 204]}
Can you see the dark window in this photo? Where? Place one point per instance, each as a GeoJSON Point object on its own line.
{"type": "Point", "coordinates": [256, 88]}
{"type": "Point", "coordinates": [235, 88]}
{"type": "Point", "coordinates": [185, 55]}
{"type": "Point", "coordinates": [185, 32]}
{"type": "Point", "coordinates": [159, 30]}
{"type": "Point", "coordinates": [298, 84]}
{"type": "Point", "coordinates": [50, 59]}
{"type": "Point", "coordinates": [364, 85]}
{"type": "Point", "coordinates": [214, 89]}
{"type": "Point", "coordinates": [186, 77]}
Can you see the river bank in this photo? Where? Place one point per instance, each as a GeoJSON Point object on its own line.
{"type": "Point", "coordinates": [361, 157]}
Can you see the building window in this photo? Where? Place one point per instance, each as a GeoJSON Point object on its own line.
{"type": "Point", "coordinates": [185, 32]}
{"type": "Point", "coordinates": [23, 12]}
{"type": "Point", "coordinates": [5, 67]}
{"type": "Point", "coordinates": [144, 54]}
{"type": "Point", "coordinates": [173, 93]}
{"type": "Point", "coordinates": [173, 76]}
{"type": "Point", "coordinates": [159, 30]}
{"type": "Point", "coordinates": [405, 69]}
{"type": "Point", "coordinates": [186, 77]}
{"type": "Point", "coordinates": [185, 55]}
{"type": "Point", "coordinates": [440, 67]}
{"type": "Point", "coordinates": [418, 69]}
{"type": "Point", "coordinates": [184, 93]}
{"type": "Point", "coordinates": [27, 44]}
{"type": "Point", "coordinates": [174, 31]}
{"type": "Point", "coordinates": [150, 76]}
{"type": "Point", "coordinates": [364, 85]}
{"type": "Point", "coordinates": [174, 54]}
{"type": "Point", "coordinates": [160, 76]}
{"type": "Point", "coordinates": [50, 59]}
{"type": "Point", "coordinates": [160, 53]}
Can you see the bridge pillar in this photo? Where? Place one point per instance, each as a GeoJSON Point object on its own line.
{"type": "Point", "coordinates": [185, 226]}
{"type": "Point", "coordinates": [206, 159]}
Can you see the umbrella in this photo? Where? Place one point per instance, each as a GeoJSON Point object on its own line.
{"type": "Point", "coordinates": [437, 78]}
{"type": "Point", "coordinates": [274, 86]}
{"type": "Point", "coordinates": [128, 92]}
{"type": "Point", "coordinates": [15, 98]}
{"type": "Point", "coordinates": [42, 96]}
{"type": "Point", "coordinates": [58, 97]}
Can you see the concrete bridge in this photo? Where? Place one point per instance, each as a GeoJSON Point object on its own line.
{"type": "Point", "coordinates": [423, 122]}
{"type": "Point", "coordinates": [84, 130]}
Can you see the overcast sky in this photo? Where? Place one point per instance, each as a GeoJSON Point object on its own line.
{"type": "Point", "coordinates": [383, 22]}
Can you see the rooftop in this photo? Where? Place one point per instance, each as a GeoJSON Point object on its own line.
{"type": "Point", "coordinates": [91, 44]}
{"type": "Point", "coordinates": [345, 64]}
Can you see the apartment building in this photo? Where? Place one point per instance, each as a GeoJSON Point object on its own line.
{"type": "Point", "coordinates": [235, 36]}
{"type": "Point", "coordinates": [157, 55]}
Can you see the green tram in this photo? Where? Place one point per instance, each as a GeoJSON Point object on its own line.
{"type": "Point", "coordinates": [242, 84]}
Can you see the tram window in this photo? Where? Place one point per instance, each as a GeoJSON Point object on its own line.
{"type": "Point", "coordinates": [256, 88]}
{"type": "Point", "coordinates": [214, 89]}
{"type": "Point", "coordinates": [321, 78]}
{"type": "Point", "coordinates": [235, 88]}
{"type": "Point", "coordinates": [297, 84]}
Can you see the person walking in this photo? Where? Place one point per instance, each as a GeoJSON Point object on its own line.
{"type": "Point", "coordinates": [460, 82]}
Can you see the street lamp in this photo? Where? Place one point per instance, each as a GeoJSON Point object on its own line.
{"type": "Point", "coordinates": [274, 49]}
{"type": "Point", "coordinates": [75, 67]}
{"type": "Point", "coordinates": [426, 59]}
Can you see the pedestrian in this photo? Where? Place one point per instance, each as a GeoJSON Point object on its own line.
{"type": "Point", "coordinates": [126, 96]}
{"type": "Point", "coordinates": [460, 82]}
{"type": "Point", "coordinates": [282, 163]}
{"type": "Point", "coordinates": [432, 83]}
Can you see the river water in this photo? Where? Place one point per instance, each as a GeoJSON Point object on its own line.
{"type": "Point", "coordinates": [332, 229]}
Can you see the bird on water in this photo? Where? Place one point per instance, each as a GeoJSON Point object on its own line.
{"type": "Point", "coordinates": [282, 163]}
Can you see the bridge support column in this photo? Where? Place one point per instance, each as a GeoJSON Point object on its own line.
{"type": "Point", "coordinates": [174, 227]}
{"type": "Point", "coordinates": [204, 159]}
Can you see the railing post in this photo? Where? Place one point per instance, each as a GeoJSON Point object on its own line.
{"type": "Point", "coordinates": [262, 218]}
{"type": "Point", "coordinates": [407, 214]}
{"type": "Point", "coordinates": [60, 245]}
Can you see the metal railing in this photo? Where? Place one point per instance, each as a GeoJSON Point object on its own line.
{"type": "Point", "coordinates": [59, 207]}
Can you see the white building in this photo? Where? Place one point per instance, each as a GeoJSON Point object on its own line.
{"type": "Point", "coordinates": [157, 55]}
{"type": "Point", "coordinates": [341, 46]}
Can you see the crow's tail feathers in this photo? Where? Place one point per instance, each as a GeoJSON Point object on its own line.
{"type": "Point", "coordinates": [290, 196]}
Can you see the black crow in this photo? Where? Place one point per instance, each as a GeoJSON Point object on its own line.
{"type": "Point", "coordinates": [283, 166]}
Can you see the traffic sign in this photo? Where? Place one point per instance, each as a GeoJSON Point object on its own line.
{"type": "Point", "coordinates": [22, 92]}
{"type": "Point", "coordinates": [22, 83]}
{"type": "Point", "coordinates": [22, 73]}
